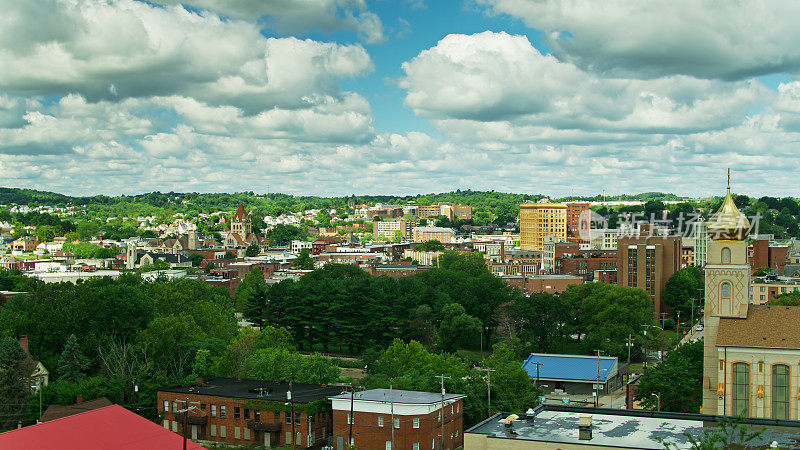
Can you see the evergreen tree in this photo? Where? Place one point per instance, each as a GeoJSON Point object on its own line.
{"type": "Point", "coordinates": [15, 370]}
{"type": "Point", "coordinates": [252, 250]}
{"type": "Point", "coordinates": [303, 260]}
{"type": "Point", "coordinates": [72, 364]}
{"type": "Point", "coordinates": [251, 297]}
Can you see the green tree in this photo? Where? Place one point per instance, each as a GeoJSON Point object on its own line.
{"type": "Point", "coordinates": [71, 237]}
{"type": "Point", "coordinates": [678, 380]}
{"type": "Point", "coordinates": [397, 236]}
{"type": "Point", "coordinates": [544, 322]}
{"type": "Point", "coordinates": [684, 289]}
{"type": "Point", "coordinates": [458, 329]}
{"type": "Point", "coordinates": [87, 230]}
{"type": "Point", "coordinates": [44, 233]}
{"type": "Point", "coordinates": [761, 271]}
{"type": "Point", "coordinates": [282, 235]}
{"type": "Point", "coordinates": [251, 296]}
{"type": "Point", "coordinates": [252, 250]}
{"type": "Point", "coordinates": [430, 246]}
{"type": "Point", "coordinates": [72, 364]}
{"type": "Point", "coordinates": [303, 260]}
{"type": "Point", "coordinates": [196, 259]}
{"type": "Point", "coordinates": [282, 364]}
{"type": "Point", "coordinates": [15, 367]}
{"type": "Point", "coordinates": [786, 299]}
{"type": "Point", "coordinates": [229, 255]}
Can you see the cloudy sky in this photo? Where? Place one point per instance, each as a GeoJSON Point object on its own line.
{"type": "Point", "coordinates": [337, 97]}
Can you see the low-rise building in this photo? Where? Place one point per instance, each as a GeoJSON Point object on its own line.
{"type": "Point", "coordinates": [573, 374]}
{"type": "Point", "coordinates": [366, 419]}
{"type": "Point", "coordinates": [250, 412]}
{"type": "Point", "coordinates": [425, 234]}
{"type": "Point", "coordinates": [764, 289]}
{"type": "Point", "coordinates": [387, 229]}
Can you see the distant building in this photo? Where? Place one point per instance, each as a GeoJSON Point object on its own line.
{"type": "Point", "coordinates": [573, 374]}
{"type": "Point", "coordinates": [24, 244]}
{"type": "Point", "coordinates": [54, 412]}
{"type": "Point", "coordinates": [415, 417]}
{"type": "Point", "coordinates": [425, 234]}
{"type": "Point", "coordinates": [537, 220]}
{"type": "Point", "coordinates": [765, 253]}
{"type": "Point", "coordinates": [448, 210]}
{"type": "Point", "coordinates": [387, 228]}
{"type": "Point", "coordinates": [647, 263]}
{"type": "Point", "coordinates": [241, 234]}
{"type": "Point", "coordinates": [577, 229]}
{"type": "Point", "coordinates": [764, 289]}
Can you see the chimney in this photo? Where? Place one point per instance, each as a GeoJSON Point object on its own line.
{"type": "Point", "coordinates": [23, 342]}
{"type": "Point", "coordinates": [78, 399]}
{"type": "Point", "coordinates": [585, 427]}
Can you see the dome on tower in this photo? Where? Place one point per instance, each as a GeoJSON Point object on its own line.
{"type": "Point", "coordinates": [728, 223]}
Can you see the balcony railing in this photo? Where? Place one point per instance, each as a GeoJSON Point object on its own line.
{"type": "Point", "coordinates": [191, 420]}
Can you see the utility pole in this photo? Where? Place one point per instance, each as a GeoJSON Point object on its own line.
{"type": "Point", "coordinates": [597, 385]}
{"type": "Point", "coordinates": [185, 411]}
{"type": "Point", "coordinates": [352, 418]}
{"type": "Point", "coordinates": [536, 382]}
{"type": "Point", "coordinates": [629, 351]}
{"type": "Point", "coordinates": [291, 402]}
{"type": "Point", "coordinates": [489, 390]}
{"type": "Point", "coordinates": [391, 411]}
{"type": "Point", "coordinates": [645, 347]}
{"type": "Point", "coordinates": [441, 438]}
{"type": "Point", "coordinates": [678, 331]}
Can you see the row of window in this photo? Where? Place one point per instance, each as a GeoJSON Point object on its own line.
{"type": "Point", "coordinates": [242, 432]}
{"type": "Point", "coordinates": [741, 389]}
{"type": "Point", "coordinates": [454, 409]}
{"type": "Point", "coordinates": [237, 412]}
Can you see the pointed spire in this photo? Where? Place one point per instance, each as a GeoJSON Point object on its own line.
{"type": "Point", "coordinates": [728, 223]}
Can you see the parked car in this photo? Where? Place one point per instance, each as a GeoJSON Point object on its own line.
{"type": "Point", "coordinates": [699, 327]}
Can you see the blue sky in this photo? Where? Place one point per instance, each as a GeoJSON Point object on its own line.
{"type": "Point", "coordinates": [335, 97]}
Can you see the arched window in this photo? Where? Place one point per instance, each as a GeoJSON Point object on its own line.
{"type": "Point", "coordinates": [726, 255]}
{"type": "Point", "coordinates": [780, 391]}
{"type": "Point", "coordinates": [725, 291]}
{"type": "Point", "coordinates": [741, 389]}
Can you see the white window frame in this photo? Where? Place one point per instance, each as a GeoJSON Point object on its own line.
{"type": "Point", "coordinates": [380, 421]}
{"type": "Point", "coordinates": [415, 422]}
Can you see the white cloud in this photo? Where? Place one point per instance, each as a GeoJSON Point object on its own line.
{"type": "Point", "coordinates": [702, 38]}
{"type": "Point", "coordinates": [498, 84]}
{"type": "Point", "coordinates": [124, 48]}
{"type": "Point", "coordinates": [299, 15]}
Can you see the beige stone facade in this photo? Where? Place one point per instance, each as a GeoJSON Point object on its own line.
{"type": "Point", "coordinates": [537, 220]}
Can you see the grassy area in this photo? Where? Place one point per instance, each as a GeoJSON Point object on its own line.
{"type": "Point", "coordinates": [472, 355]}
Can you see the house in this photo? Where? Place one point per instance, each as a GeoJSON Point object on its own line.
{"type": "Point", "coordinates": [573, 374]}
{"type": "Point", "coordinates": [186, 242]}
{"type": "Point", "coordinates": [39, 376]}
{"type": "Point", "coordinates": [24, 244]}
{"type": "Point", "coordinates": [135, 258]}
{"type": "Point", "coordinates": [102, 428]}
{"type": "Point", "coordinates": [250, 412]}
{"type": "Point", "coordinates": [416, 418]}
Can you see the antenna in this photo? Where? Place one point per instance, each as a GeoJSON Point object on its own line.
{"type": "Point", "coordinates": [729, 178]}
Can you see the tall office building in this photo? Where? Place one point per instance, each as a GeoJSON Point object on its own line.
{"type": "Point", "coordinates": [700, 243]}
{"type": "Point", "coordinates": [537, 220]}
{"type": "Point", "coordinates": [577, 229]}
{"type": "Point", "coordinates": [647, 262]}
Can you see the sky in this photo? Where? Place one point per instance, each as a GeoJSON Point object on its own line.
{"type": "Point", "coordinates": [340, 97]}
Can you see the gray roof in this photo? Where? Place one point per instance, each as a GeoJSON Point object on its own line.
{"type": "Point", "coordinates": [623, 428]}
{"type": "Point", "coordinates": [400, 396]}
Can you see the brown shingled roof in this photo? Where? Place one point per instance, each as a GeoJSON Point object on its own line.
{"type": "Point", "coordinates": [766, 326]}
{"type": "Point", "coordinates": [58, 411]}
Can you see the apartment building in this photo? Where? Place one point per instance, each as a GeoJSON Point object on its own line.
{"type": "Point", "coordinates": [387, 228]}
{"type": "Point", "coordinates": [425, 234]}
{"type": "Point", "coordinates": [764, 289]}
{"type": "Point", "coordinates": [366, 420]}
{"type": "Point", "coordinates": [577, 229]}
{"type": "Point", "coordinates": [647, 263]}
{"type": "Point", "coordinates": [249, 412]}
{"type": "Point", "coordinates": [448, 210]}
{"type": "Point", "coordinates": [537, 220]}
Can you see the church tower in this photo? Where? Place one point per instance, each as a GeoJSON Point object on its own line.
{"type": "Point", "coordinates": [727, 282]}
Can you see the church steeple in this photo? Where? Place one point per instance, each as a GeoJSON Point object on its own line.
{"type": "Point", "coordinates": [728, 223]}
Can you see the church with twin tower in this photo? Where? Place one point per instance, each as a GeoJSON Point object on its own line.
{"type": "Point", "coordinates": [751, 356]}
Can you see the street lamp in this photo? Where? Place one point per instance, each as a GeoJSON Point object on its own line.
{"type": "Point", "coordinates": [657, 396]}
{"type": "Point", "coordinates": [39, 391]}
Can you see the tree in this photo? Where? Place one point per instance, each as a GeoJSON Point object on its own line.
{"type": "Point", "coordinates": [684, 289]}
{"type": "Point", "coordinates": [15, 368]}
{"type": "Point", "coordinates": [72, 364]}
{"type": "Point", "coordinates": [196, 259]}
{"type": "Point", "coordinates": [282, 235]}
{"type": "Point", "coordinates": [678, 380]}
{"type": "Point", "coordinates": [761, 271]}
{"type": "Point", "coordinates": [430, 246]}
{"type": "Point", "coordinates": [457, 329]}
{"type": "Point", "coordinates": [252, 250]}
{"type": "Point", "coordinates": [87, 230]}
{"type": "Point", "coordinates": [44, 233]}
{"type": "Point", "coordinates": [303, 260]}
{"type": "Point", "coordinates": [786, 299]}
{"type": "Point", "coordinates": [397, 236]}
{"type": "Point", "coordinates": [251, 296]}
{"type": "Point", "coordinates": [71, 237]}
{"type": "Point", "coordinates": [229, 255]}
{"type": "Point", "coordinates": [544, 322]}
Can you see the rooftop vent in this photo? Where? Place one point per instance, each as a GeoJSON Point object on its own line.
{"type": "Point", "coordinates": [585, 427]}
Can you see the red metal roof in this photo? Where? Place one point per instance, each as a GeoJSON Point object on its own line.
{"type": "Point", "coordinates": [103, 428]}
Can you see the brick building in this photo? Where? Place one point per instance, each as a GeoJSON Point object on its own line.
{"type": "Point", "coordinates": [577, 229]}
{"type": "Point", "coordinates": [417, 420]}
{"type": "Point", "coordinates": [542, 284]}
{"type": "Point", "coordinates": [252, 412]}
{"type": "Point", "coordinates": [584, 265]}
{"type": "Point", "coordinates": [448, 210]}
{"type": "Point", "coordinates": [425, 234]}
{"type": "Point", "coordinates": [537, 220]}
{"type": "Point", "coordinates": [647, 262]}
{"type": "Point", "coordinates": [764, 253]}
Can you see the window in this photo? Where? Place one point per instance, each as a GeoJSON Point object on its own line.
{"type": "Point", "coordinates": [458, 405]}
{"type": "Point", "coordinates": [380, 421]}
{"type": "Point", "coordinates": [288, 437]}
{"type": "Point", "coordinates": [246, 434]}
{"type": "Point", "coordinates": [726, 255]}
{"type": "Point", "coordinates": [237, 432]}
{"type": "Point", "coordinates": [780, 391]}
{"type": "Point", "coordinates": [236, 412]}
{"type": "Point", "coordinates": [388, 445]}
{"type": "Point", "coordinates": [288, 418]}
{"type": "Point", "coordinates": [213, 430]}
{"type": "Point", "coordinates": [203, 406]}
{"type": "Point", "coordinates": [174, 426]}
{"type": "Point", "coordinates": [222, 431]}
{"type": "Point", "coordinates": [166, 405]}
{"type": "Point", "coordinates": [439, 418]}
{"type": "Point", "coordinates": [257, 415]}
{"type": "Point", "coordinates": [166, 424]}
{"type": "Point", "coordinates": [349, 419]}
{"type": "Point", "coordinates": [174, 406]}
{"type": "Point", "coordinates": [741, 388]}
{"type": "Point", "coordinates": [415, 446]}
{"type": "Point", "coordinates": [415, 422]}
{"type": "Point", "coordinates": [222, 410]}
{"type": "Point", "coordinates": [297, 417]}
{"type": "Point", "coordinates": [213, 410]}
{"type": "Point", "coordinates": [725, 291]}
{"type": "Point", "coordinates": [397, 422]}
{"type": "Point", "coordinates": [246, 413]}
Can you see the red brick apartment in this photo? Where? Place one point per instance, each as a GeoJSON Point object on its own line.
{"type": "Point", "coordinates": [417, 423]}
{"type": "Point", "coordinates": [254, 412]}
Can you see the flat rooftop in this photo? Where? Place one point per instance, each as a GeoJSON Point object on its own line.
{"type": "Point", "coordinates": [259, 390]}
{"type": "Point", "coordinates": [624, 428]}
{"type": "Point", "coordinates": [400, 396]}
